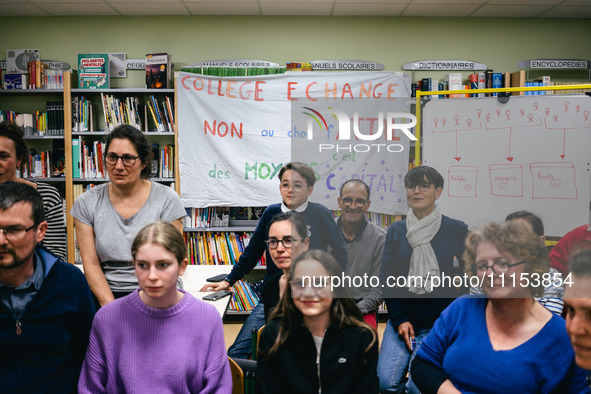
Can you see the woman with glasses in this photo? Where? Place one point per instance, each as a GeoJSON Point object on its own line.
{"type": "Point", "coordinates": [317, 340]}
{"type": "Point", "coordinates": [108, 217]}
{"type": "Point", "coordinates": [505, 341]}
{"type": "Point", "coordinates": [287, 239]}
{"type": "Point", "coordinates": [13, 151]}
{"type": "Point", "coordinates": [426, 244]}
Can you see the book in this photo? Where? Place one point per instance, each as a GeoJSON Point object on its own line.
{"type": "Point", "coordinates": [518, 80]}
{"type": "Point", "coordinates": [481, 83]}
{"type": "Point", "coordinates": [17, 60]}
{"type": "Point", "coordinates": [488, 76]}
{"type": "Point", "coordinates": [473, 78]}
{"type": "Point", "coordinates": [455, 83]}
{"type": "Point", "coordinates": [93, 71]}
{"type": "Point", "coordinates": [15, 81]}
{"type": "Point", "coordinates": [158, 70]}
{"type": "Point", "coordinates": [497, 81]}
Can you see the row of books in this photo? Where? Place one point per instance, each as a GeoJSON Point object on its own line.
{"type": "Point", "coordinates": [490, 79]}
{"type": "Point", "coordinates": [40, 123]}
{"type": "Point", "coordinates": [83, 116]}
{"type": "Point", "coordinates": [118, 111]}
{"type": "Point", "coordinates": [79, 188]}
{"type": "Point", "coordinates": [245, 297]}
{"type": "Point", "coordinates": [87, 159]}
{"type": "Point", "coordinates": [38, 165]}
{"type": "Point", "coordinates": [566, 84]}
{"type": "Point", "coordinates": [207, 217]}
{"type": "Point", "coordinates": [165, 162]}
{"type": "Point", "coordinates": [217, 248]}
{"type": "Point", "coordinates": [383, 220]}
{"type": "Point", "coordinates": [38, 77]}
{"type": "Point", "coordinates": [162, 118]}
{"type": "Point", "coordinates": [234, 71]}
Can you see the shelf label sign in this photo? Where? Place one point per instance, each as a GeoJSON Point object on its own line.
{"type": "Point", "coordinates": [349, 65]}
{"type": "Point", "coordinates": [555, 63]}
{"type": "Point", "coordinates": [236, 63]}
{"type": "Point", "coordinates": [444, 65]}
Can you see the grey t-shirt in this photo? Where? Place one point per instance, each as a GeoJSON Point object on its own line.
{"type": "Point", "coordinates": [114, 235]}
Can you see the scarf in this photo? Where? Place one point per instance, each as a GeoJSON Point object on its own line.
{"type": "Point", "coordinates": [423, 262]}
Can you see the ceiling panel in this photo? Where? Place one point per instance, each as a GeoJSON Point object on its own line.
{"type": "Point", "coordinates": [509, 11]}
{"type": "Point", "coordinates": [579, 9]}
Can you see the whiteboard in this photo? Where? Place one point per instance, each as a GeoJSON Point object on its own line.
{"type": "Point", "coordinates": [532, 153]}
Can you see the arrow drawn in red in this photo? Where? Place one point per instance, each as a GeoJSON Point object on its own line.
{"type": "Point", "coordinates": [510, 158]}
{"type": "Point", "coordinates": [563, 144]}
{"type": "Point", "coordinates": [458, 158]}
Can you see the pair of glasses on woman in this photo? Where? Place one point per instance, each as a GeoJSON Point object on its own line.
{"type": "Point", "coordinates": [128, 160]}
{"type": "Point", "coordinates": [423, 187]}
{"type": "Point", "coordinates": [498, 267]}
{"type": "Point", "coordinates": [300, 288]}
{"type": "Point", "coordinates": [287, 242]}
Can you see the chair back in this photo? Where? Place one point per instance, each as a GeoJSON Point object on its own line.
{"type": "Point", "coordinates": [237, 377]}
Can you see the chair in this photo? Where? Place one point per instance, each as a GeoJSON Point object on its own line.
{"type": "Point", "coordinates": [237, 377]}
{"type": "Point", "coordinates": [256, 336]}
{"type": "Point", "coordinates": [249, 369]}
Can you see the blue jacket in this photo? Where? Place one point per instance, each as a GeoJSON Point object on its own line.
{"type": "Point", "coordinates": [402, 305]}
{"type": "Point", "coordinates": [322, 231]}
{"type": "Point", "coordinates": [47, 355]}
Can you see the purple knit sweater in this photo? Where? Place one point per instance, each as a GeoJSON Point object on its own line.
{"type": "Point", "coordinates": [138, 349]}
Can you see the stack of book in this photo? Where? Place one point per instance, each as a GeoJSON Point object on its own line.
{"type": "Point", "coordinates": [83, 118]}
{"type": "Point", "coordinates": [38, 165]}
{"type": "Point", "coordinates": [244, 297]}
{"type": "Point", "coordinates": [87, 159]}
{"type": "Point", "coordinates": [162, 114]}
{"type": "Point", "coordinates": [207, 217]}
{"type": "Point", "coordinates": [216, 248]}
{"type": "Point", "coordinates": [118, 111]}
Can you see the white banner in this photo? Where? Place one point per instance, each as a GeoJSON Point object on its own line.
{"type": "Point", "coordinates": [235, 134]}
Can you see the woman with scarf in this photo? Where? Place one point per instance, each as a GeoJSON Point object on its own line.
{"type": "Point", "coordinates": [418, 252]}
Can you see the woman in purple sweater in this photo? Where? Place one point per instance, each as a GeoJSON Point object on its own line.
{"type": "Point", "coordinates": [157, 339]}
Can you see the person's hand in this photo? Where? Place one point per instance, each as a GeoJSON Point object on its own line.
{"type": "Point", "coordinates": [216, 286]}
{"type": "Point", "coordinates": [407, 333]}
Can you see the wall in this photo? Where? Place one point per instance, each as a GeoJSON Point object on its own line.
{"type": "Point", "coordinates": [499, 43]}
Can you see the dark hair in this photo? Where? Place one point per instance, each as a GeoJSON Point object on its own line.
{"type": "Point", "coordinates": [343, 311]}
{"type": "Point", "coordinates": [418, 175]}
{"type": "Point", "coordinates": [15, 133]}
{"type": "Point", "coordinates": [358, 181]}
{"type": "Point", "coordinates": [513, 238]}
{"type": "Point", "coordinates": [533, 219]}
{"type": "Point", "coordinates": [579, 263]}
{"type": "Point", "coordinates": [139, 141]}
{"type": "Point", "coordinates": [14, 192]}
{"type": "Point", "coordinates": [303, 169]}
{"type": "Point", "coordinates": [164, 234]}
{"type": "Point", "coordinates": [296, 219]}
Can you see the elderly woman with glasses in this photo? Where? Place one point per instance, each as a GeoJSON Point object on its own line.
{"type": "Point", "coordinates": [108, 217]}
{"type": "Point", "coordinates": [505, 341]}
{"type": "Point", "coordinates": [317, 340]}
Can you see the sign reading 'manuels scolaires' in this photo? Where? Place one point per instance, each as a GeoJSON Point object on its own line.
{"type": "Point", "coordinates": [555, 63]}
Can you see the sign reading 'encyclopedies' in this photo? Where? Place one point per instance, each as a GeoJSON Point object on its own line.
{"type": "Point", "coordinates": [555, 63]}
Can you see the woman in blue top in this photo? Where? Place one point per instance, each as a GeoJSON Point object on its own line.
{"type": "Point", "coordinates": [506, 341]}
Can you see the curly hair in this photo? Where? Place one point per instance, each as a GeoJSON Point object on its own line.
{"type": "Point", "coordinates": [513, 238]}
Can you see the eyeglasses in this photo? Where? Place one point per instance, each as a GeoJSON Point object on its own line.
{"type": "Point", "coordinates": [298, 288]}
{"type": "Point", "coordinates": [423, 187]}
{"type": "Point", "coordinates": [287, 242]}
{"type": "Point", "coordinates": [128, 160]}
{"type": "Point", "coordinates": [498, 267]}
{"type": "Point", "coordinates": [298, 187]}
{"type": "Point", "coordinates": [15, 233]}
{"type": "Point", "coordinates": [348, 201]}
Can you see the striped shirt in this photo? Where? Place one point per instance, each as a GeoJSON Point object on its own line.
{"type": "Point", "coordinates": [55, 237]}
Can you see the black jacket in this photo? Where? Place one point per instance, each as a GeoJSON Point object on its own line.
{"type": "Point", "coordinates": [344, 367]}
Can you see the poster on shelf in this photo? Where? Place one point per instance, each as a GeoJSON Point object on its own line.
{"type": "Point", "coordinates": [235, 134]}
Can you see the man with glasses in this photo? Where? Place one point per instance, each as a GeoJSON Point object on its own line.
{"type": "Point", "coordinates": [46, 308]}
{"type": "Point", "coordinates": [577, 301]}
{"type": "Point", "coordinates": [365, 246]}
{"type": "Point", "coordinates": [297, 183]}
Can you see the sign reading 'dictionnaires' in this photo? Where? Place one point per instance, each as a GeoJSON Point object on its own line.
{"type": "Point", "coordinates": [555, 63]}
{"type": "Point", "coordinates": [444, 65]}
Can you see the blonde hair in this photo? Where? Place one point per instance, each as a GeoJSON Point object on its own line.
{"type": "Point", "coordinates": [163, 234]}
{"type": "Point", "coordinates": [513, 238]}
